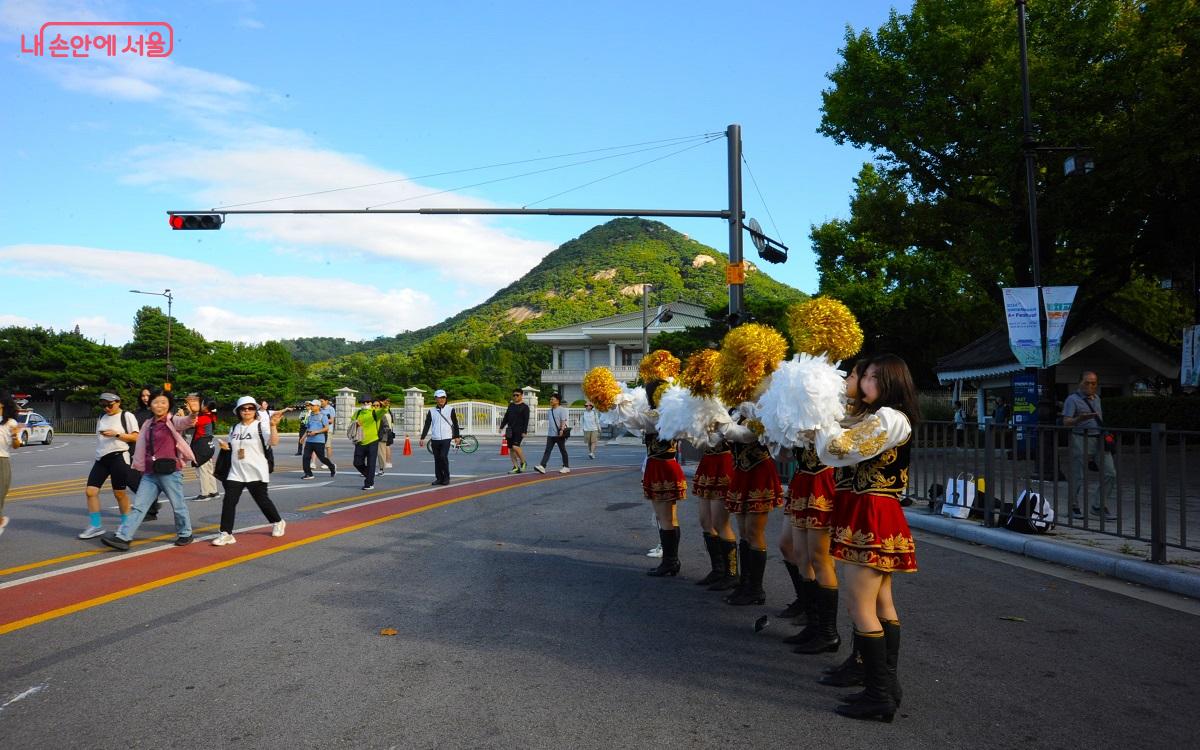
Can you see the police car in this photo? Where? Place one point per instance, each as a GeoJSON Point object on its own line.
{"type": "Point", "coordinates": [35, 428]}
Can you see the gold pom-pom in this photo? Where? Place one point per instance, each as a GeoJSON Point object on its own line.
{"type": "Point", "coordinates": [749, 353]}
{"type": "Point", "coordinates": [659, 391]}
{"type": "Point", "coordinates": [659, 364]}
{"type": "Point", "coordinates": [824, 325]}
{"type": "Point", "coordinates": [600, 387]}
{"type": "Point", "coordinates": [699, 374]}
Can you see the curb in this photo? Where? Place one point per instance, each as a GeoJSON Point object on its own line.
{"type": "Point", "coordinates": [1111, 564]}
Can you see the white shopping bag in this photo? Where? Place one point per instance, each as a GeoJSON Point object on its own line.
{"type": "Point", "coordinates": [960, 496]}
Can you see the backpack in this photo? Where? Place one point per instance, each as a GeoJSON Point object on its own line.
{"type": "Point", "coordinates": [1031, 514]}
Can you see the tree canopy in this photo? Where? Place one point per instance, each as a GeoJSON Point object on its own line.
{"type": "Point", "coordinates": [938, 222]}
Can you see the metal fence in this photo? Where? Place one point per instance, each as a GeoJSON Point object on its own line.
{"type": "Point", "coordinates": [1154, 496]}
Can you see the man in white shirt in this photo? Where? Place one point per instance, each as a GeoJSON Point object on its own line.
{"type": "Point", "coordinates": [590, 424]}
{"type": "Point", "coordinates": [116, 430]}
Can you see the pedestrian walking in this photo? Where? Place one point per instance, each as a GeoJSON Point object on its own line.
{"type": "Point", "coordinates": [590, 424]}
{"type": "Point", "coordinates": [871, 535]}
{"type": "Point", "coordinates": [366, 450]}
{"type": "Point", "coordinates": [116, 430]}
{"type": "Point", "coordinates": [386, 435]}
{"type": "Point", "coordinates": [140, 415]}
{"type": "Point", "coordinates": [249, 468]}
{"type": "Point", "coordinates": [10, 437]}
{"type": "Point", "coordinates": [316, 429]}
{"type": "Point", "coordinates": [515, 425]}
{"type": "Point", "coordinates": [160, 454]}
{"type": "Point", "coordinates": [557, 433]}
{"type": "Point", "coordinates": [1084, 414]}
{"type": "Point", "coordinates": [330, 415]}
{"type": "Point", "coordinates": [441, 425]}
{"type": "Point", "coordinates": [203, 447]}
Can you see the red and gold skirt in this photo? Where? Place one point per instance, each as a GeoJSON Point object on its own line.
{"type": "Point", "coordinates": [871, 530]}
{"type": "Point", "coordinates": [810, 499]}
{"type": "Point", "coordinates": [663, 480]}
{"type": "Point", "coordinates": [754, 491]}
{"type": "Point", "coordinates": [711, 481]}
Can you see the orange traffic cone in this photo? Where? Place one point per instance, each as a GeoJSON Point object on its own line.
{"type": "Point", "coordinates": [504, 446]}
{"type": "Point", "coordinates": [407, 446]}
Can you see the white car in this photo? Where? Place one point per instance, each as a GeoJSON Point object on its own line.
{"type": "Point", "coordinates": [35, 428]}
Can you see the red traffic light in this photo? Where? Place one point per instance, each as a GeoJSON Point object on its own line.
{"type": "Point", "coordinates": [196, 221]}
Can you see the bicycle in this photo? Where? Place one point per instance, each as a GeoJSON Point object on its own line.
{"type": "Point", "coordinates": [467, 444]}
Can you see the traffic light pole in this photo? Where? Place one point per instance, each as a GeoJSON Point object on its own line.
{"type": "Point", "coordinates": [735, 274]}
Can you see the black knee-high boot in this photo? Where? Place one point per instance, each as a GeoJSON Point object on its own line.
{"type": "Point", "coordinates": [712, 543]}
{"type": "Point", "coordinates": [891, 640]}
{"type": "Point", "coordinates": [729, 558]}
{"type": "Point", "coordinates": [876, 701]}
{"type": "Point", "coordinates": [743, 552]}
{"type": "Point", "coordinates": [670, 559]}
{"type": "Point", "coordinates": [812, 621]}
{"type": "Point", "coordinates": [797, 605]}
{"type": "Point", "coordinates": [826, 638]}
{"type": "Point", "coordinates": [847, 674]}
{"type": "Point", "coordinates": [755, 564]}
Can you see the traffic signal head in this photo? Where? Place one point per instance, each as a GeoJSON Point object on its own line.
{"type": "Point", "coordinates": [196, 221]}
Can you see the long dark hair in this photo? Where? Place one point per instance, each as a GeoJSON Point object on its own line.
{"type": "Point", "coordinates": [896, 387]}
{"type": "Point", "coordinates": [858, 370]}
{"type": "Point", "coordinates": [10, 407]}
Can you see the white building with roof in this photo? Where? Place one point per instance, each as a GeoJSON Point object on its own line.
{"type": "Point", "coordinates": [614, 342]}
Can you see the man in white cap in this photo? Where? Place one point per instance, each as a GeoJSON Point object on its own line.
{"type": "Point", "coordinates": [441, 424]}
{"type": "Point", "coordinates": [116, 430]}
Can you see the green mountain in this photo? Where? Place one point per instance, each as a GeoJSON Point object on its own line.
{"type": "Point", "coordinates": [597, 274]}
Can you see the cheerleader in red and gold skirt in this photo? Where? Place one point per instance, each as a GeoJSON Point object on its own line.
{"type": "Point", "coordinates": [711, 485]}
{"type": "Point", "coordinates": [754, 489]}
{"type": "Point", "coordinates": [869, 532]}
{"type": "Point", "coordinates": [664, 486]}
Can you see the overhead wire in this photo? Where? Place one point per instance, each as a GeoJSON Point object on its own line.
{"type": "Point", "coordinates": [623, 171]}
{"type": "Point", "coordinates": [668, 141]}
{"type": "Point", "coordinates": [536, 171]}
{"type": "Point", "coordinates": [774, 226]}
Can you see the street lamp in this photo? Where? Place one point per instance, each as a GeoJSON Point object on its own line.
{"type": "Point", "coordinates": [170, 298]}
{"type": "Point", "coordinates": [663, 315]}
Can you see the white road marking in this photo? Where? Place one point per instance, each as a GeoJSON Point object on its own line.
{"type": "Point", "coordinates": [281, 488]}
{"type": "Point", "coordinates": [73, 463]}
{"type": "Point", "coordinates": [31, 691]}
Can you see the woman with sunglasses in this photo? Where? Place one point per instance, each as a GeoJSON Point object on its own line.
{"type": "Point", "coordinates": [249, 468]}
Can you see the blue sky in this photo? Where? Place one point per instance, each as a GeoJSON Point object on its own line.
{"type": "Point", "coordinates": [260, 100]}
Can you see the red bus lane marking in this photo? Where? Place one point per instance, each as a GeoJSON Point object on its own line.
{"type": "Point", "coordinates": [23, 604]}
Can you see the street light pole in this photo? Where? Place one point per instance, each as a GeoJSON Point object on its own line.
{"type": "Point", "coordinates": [170, 299]}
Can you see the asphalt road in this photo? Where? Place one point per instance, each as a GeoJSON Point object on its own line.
{"type": "Point", "coordinates": [524, 619]}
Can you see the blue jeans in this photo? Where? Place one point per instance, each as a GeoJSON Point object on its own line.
{"type": "Point", "coordinates": [170, 485]}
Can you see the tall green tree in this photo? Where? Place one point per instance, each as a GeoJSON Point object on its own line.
{"type": "Point", "coordinates": [935, 94]}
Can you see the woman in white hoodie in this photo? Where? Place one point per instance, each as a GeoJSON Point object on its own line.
{"type": "Point", "coordinates": [249, 468]}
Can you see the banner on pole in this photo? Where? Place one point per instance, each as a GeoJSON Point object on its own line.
{"type": "Point", "coordinates": [1058, 301]}
{"type": "Point", "coordinates": [1189, 370]}
{"type": "Point", "coordinates": [1024, 326]}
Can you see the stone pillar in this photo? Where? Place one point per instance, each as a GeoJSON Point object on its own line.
{"type": "Point", "coordinates": [555, 358]}
{"type": "Point", "coordinates": [612, 355]}
{"type": "Point", "coordinates": [414, 410]}
{"type": "Point", "coordinates": [587, 359]}
{"type": "Point", "coordinates": [344, 404]}
{"type": "Point", "coordinates": [531, 400]}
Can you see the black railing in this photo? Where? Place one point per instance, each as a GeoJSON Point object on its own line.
{"type": "Point", "coordinates": [1140, 487]}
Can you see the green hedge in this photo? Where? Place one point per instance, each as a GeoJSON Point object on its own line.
{"type": "Point", "coordinates": [1177, 412]}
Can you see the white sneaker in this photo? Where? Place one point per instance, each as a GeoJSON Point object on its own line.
{"type": "Point", "coordinates": [388, 465]}
{"type": "Point", "coordinates": [540, 469]}
{"type": "Point", "coordinates": [224, 538]}
{"type": "Point", "coordinates": [91, 532]}
{"type": "Point", "coordinates": [655, 552]}
{"type": "Point", "coordinates": [591, 455]}
{"type": "Point", "coordinates": [565, 470]}
{"type": "Point", "coordinates": [277, 528]}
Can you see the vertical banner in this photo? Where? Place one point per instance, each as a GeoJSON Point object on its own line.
{"type": "Point", "coordinates": [1024, 327]}
{"type": "Point", "coordinates": [1025, 412]}
{"type": "Point", "coordinates": [1058, 301]}
{"type": "Point", "coordinates": [1189, 369]}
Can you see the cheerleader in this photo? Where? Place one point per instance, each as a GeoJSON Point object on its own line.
{"type": "Point", "coordinates": [817, 484]}
{"type": "Point", "coordinates": [754, 489]}
{"type": "Point", "coordinates": [663, 485]}
{"type": "Point", "coordinates": [869, 531]}
{"type": "Point", "coordinates": [710, 484]}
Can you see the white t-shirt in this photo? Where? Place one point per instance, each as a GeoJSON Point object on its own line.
{"type": "Point", "coordinates": [6, 436]}
{"type": "Point", "coordinates": [252, 468]}
{"type": "Point", "coordinates": [106, 445]}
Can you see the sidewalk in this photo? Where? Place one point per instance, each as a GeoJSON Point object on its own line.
{"type": "Point", "coordinates": [1117, 557]}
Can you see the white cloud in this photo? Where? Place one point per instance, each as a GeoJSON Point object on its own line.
{"type": "Point", "coordinates": [464, 248]}
{"type": "Point", "coordinates": [17, 320]}
{"type": "Point", "coordinates": [246, 307]}
{"type": "Point", "coordinates": [100, 328]}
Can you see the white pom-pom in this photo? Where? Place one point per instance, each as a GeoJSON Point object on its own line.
{"type": "Point", "coordinates": [629, 409]}
{"type": "Point", "coordinates": [674, 413]}
{"type": "Point", "coordinates": [707, 412]}
{"type": "Point", "coordinates": [805, 393]}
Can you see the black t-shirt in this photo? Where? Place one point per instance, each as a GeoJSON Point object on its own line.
{"type": "Point", "coordinates": [517, 418]}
